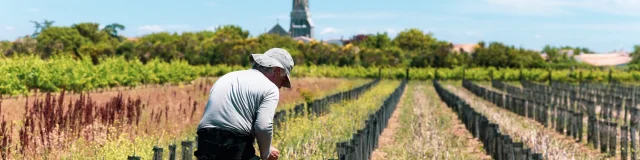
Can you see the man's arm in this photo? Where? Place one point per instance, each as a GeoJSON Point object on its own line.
{"type": "Point", "coordinates": [264, 122]}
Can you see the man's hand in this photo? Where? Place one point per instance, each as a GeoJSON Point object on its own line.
{"type": "Point", "coordinates": [274, 154]}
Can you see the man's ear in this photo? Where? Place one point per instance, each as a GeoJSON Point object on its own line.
{"type": "Point", "coordinates": [277, 71]}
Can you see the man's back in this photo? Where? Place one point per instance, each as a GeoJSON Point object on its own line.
{"type": "Point", "coordinates": [241, 107]}
{"type": "Point", "coordinates": [236, 98]}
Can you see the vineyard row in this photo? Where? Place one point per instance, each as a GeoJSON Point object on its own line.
{"type": "Point", "coordinates": [496, 144]}
{"type": "Point", "coordinates": [64, 73]}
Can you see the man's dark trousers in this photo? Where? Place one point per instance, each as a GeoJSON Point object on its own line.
{"type": "Point", "coordinates": [217, 144]}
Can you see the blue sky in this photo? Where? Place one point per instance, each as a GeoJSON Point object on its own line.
{"type": "Point", "coordinates": [602, 25]}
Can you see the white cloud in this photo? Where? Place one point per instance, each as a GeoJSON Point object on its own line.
{"type": "Point", "coordinates": [330, 30]}
{"type": "Point", "coordinates": [151, 28]}
{"type": "Point", "coordinates": [537, 36]}
{"type": "Point", "coordinates": [10, 28]}
{"type": "Point", "coordinates": [33, 10]}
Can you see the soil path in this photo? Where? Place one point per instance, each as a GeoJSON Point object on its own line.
{"type": "Point", "coordinates": [432, 131]}
{"type": "Point", "coordinates": [387, 136]}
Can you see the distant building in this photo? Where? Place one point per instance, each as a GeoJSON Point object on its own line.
{"type": "Point", "coordinates": [301, 24]}
{"type": "Point", "coordinates": [278, 30]}
{"type": "Point", "coordinates": [303, 39]}
{"type": "Point", "coordinates": [544, 56]}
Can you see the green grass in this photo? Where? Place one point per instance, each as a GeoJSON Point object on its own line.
{"type": "Point", "coordinates": [316, 137]}
{"type": "Point", "coordinates": [345, 85]}
{"type": "Point", "coordinates": [124, 145]}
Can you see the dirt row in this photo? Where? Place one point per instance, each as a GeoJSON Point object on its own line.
{"type": "Point", "coordinates": [423, 127]}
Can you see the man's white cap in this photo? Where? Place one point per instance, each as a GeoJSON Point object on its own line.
{"type": "Point", "coordinates": [276, 57]}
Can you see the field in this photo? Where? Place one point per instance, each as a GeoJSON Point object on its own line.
{"type": "Point", "coordinates": [391, 119]}
{"type": "Point", "coordinates": [164, 113]}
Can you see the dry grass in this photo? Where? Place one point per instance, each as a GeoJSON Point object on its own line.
{"type": "Point", "coordinates": [535, 136]}
{"type": "Point", "coordinates": [428, 129]}
{"type": "Point", "coordinates": [170, 112]}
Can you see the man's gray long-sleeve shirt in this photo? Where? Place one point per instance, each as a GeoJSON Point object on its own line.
{"type": "Point", "coordinates": [245, 102]}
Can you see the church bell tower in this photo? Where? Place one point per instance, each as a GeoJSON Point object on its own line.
{"type": "Point", "coordinates": [301, 24]}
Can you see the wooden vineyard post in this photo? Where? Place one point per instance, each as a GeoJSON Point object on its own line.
{"type": "Point", "coordinates": [380, 72]}
{"type": "Point", "coordinates": [580, 125]}
{"type": "Point", "coordinates": [463, 73]}
{"type": "Point", "coordinates": [550, 77]}
{"type": "Point", "coordinates": [537, 156]}
{"type": "Point", "coordinates": [499, 146]}
{"type": "Point", "coordinates": [633, 130]}
{"type": "Point", "coordinates": [134, 157]}
{"type": "Point", "coordinates": [596, 133]}
{"type": "Point", "coordinates": [491, 75]}
{"type": "Point", "coordinates": [157, 153]}
{"type": "Point", "coordinates": [340, 150]}
{"type": "Point", "coordinates": [509, 147]}
{"type": "Point", "coordinates": [610, 78]}
{"type": "Point", "coordinates": [520, 75]}
{"type": "Point", "coordinates": [407, 74]}
{"type": "Point", "coordinates": [517, 150]}
{"type": "Point", "coordinates": [613, 134]}
{"type": "Point", "coordinates": [624, 141]}
{"type": "Point", "coordinates": [172, 152]}
{"type": "Point", "coordinates": [574, 124]}
{"type": "Point", "coordinates": [356, 145]}
{"type": "Point", "coordinates": [187, 149]}
{"type": "Point", "coordinates": [602, 127]}
{"type": "Point", "coordinates": [526, 154]}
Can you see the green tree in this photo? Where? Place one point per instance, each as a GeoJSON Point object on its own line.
{"type": "Point", "coordinates": [113, 28]}
{"type": "Point", "coordinates": [412, 39]}
{"type": "Point", "coordinates": [41, 26]}
{"type": "Point", "coordinates": [59, 40]}
{"type": "Point", "coordinates": [501, 55]}
{"type": "Point", "coordinates": [377, 40]}
{"type": "Point", "coordinates": [229, 33]}
{"type": "Point", "coordinates": [92, 32]}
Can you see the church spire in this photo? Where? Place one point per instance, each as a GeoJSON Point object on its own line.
{"type": "Point", "coordinates": [300, 5]}
{"type": "Point", "coordinates": [301, 24]}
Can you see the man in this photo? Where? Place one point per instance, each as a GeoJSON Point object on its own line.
{"type": "Point", "coordinates": [241, 107]}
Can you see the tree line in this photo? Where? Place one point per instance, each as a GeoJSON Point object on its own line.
{"type": "Point", "coordinates": [232, 44]}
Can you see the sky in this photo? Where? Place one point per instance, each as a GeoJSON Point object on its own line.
{"type": "Point", "coordinates": [601, 25]}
